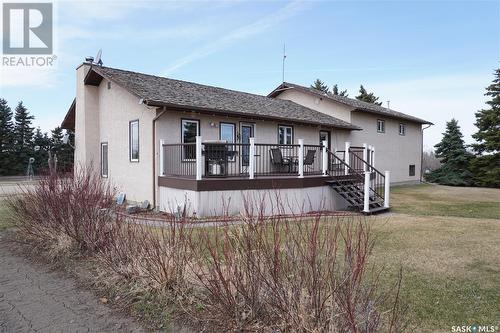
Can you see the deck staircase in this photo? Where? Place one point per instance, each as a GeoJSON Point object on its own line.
{"type": "Point", "coordinates": [348, 180]}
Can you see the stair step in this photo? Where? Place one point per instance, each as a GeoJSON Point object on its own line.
{"type": "Point", "coordinates": [378, 209]}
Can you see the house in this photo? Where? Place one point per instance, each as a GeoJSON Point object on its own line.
{"type": "Point", "coordinates": [182, 145]}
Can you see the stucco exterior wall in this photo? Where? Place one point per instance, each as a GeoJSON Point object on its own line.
{"type": "Point", "coordinates": [320, 104]}
{"type": "Point", "coordinates": [168, 128]}
{"type": "Point", "coordinates": [393, 152]}
{"type": "Point", "coordinates": [103, 115]}
{"type": "Point", "coordinates": [272, 202]}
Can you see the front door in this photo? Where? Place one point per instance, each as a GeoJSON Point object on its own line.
{"type": "Point", "coordinates": [246, 132]}
{"type": "Point", "coordinates": [325, 136]}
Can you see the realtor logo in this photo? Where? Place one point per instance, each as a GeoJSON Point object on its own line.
{"type": "Point", "coordinates": [27, 28]}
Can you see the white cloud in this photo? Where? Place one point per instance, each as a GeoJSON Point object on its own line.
{"type": "Point", "coordinates": [258, 27]}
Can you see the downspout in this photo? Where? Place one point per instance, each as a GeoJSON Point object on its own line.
{"type": "Point", "coordinates": [422, 154]}
{"type": "Point", "coordinates": [154, 155]}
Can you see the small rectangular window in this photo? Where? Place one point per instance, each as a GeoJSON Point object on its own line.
{"type": "Point", "coordinates": [104, 159]}
{"type": "Point", "coordinates": [134, 140]}
{"type": "Point", "coordinates": [411, 170]}
{"type": "Point", "coordinates": [189, 130]}
{"type": "Point", "coordinates": [380, 126]}
{"type": "Point", "coordinates": [402, 129]}
{"type": "Point", "coordinates": [285, 135]}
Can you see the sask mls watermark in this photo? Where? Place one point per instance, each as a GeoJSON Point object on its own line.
{"type": "Point", "coordinates": [28, 34]}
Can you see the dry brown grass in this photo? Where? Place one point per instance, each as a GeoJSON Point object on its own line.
{"type": "Point", "coordinates": [451, 264]}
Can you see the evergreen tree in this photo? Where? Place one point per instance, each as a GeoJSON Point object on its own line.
{"type": "Point", "coordinates": [486, 167]}
{"type": "Point", "coordinates": [6, 138]}
{"type": "Point", "coordinates": [23, 136]}
{"type": "Point", "coordinates": [320, 85]}
{"type": "Point", "coordinates": [454, 157]}
{"type": "Point", "coordinates": [335, 91]}
{"type": "Point", "coordinates": [367, 97]}
{"type": "Point", "coordinates": [41, 155]}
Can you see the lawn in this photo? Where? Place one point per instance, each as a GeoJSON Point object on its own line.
{"type": "Point", "coordinates": [427, 199]}
{"type": "Point", "coordinates": [3, 224]}
{"type": "Point", "coordinates": [450, 253]}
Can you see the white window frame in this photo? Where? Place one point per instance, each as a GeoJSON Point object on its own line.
{"type": "Point", "coordinates": [287, 128]}
{"type": "Point", "coordinates": [402, 129]}
{"type": "Point", "coordinates": [183, 121]}
{"type": "Point", "coordinates": [233, 139]}
{"type": "Point", "coordinates": [130, 140]}
{"type": "Point", "coordinates": [104, 144]}
{"type": "Point", "coordinates": [380, 126]}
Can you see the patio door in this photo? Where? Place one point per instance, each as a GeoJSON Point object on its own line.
{"type": "Point", "coordinates": [246, 132]}
{"type": "Point", "coordinates": [326, 136]}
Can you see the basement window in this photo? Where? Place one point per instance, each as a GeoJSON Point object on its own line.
{"type": "Point", "coordinates": [411, 171]}
{"type": "Point", "coordinates": [380, 126]}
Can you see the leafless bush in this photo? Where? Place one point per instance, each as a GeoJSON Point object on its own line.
{"type": "Point", "coordinates": [156, 258]}
{"type": "Point", "coordinates": [298, 274]}
{"type": "Point", "coordinates": [285, 273]}
{"type": "Point", "coordinates": [74, 210]}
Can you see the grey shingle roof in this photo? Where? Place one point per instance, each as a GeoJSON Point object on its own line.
{"type": "Point", "coordinates": [358, 105]}
{"type": "Point", "coordinates": [159, 91]}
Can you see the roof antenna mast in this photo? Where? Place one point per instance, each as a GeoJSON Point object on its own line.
{"type": "Point", "coordinates": [388, 104]}
{"type": "Point", "coordinates": [284, 57]}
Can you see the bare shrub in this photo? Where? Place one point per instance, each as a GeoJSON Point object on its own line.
{"type": "Point", "coordinates": [295, 274]}
{"type": "Point", "coordinates": [155, 257]}
{"type": "Point", "coordinates": [58, 208]}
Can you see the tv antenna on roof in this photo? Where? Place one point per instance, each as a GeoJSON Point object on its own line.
{"type": "Point", "coordinates": [98, 60]}
{"type": "Point", "coordinates": [284, 57]}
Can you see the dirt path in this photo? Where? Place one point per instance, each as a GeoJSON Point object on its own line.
{"type": "Point", "coordinates": [35, 299]}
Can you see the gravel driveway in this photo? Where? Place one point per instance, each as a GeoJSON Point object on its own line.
{"type": "Point", "coordinates": [35, 299]}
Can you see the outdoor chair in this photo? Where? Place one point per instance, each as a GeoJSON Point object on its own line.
{"type": "Point", "coordinates": [308, 160]}
{"type": "Point", "coordinates": [278, 160]}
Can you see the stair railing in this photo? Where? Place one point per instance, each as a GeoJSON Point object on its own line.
{"type": "Point", "coordinates": [377, 179]}
{"type": "Point", "coordinates": [337, 167]}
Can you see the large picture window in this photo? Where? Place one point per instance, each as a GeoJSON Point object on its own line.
{"type": "Point", "coordinates": [285, 135]}
{"type": "Point", "coordinates": [104, 159]}
{"type": "Point", "coordinates": [190, 129]}
{"type": "Point", "coordinates": [134, 141]}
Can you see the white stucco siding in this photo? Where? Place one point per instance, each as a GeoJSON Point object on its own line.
{"type": "Point", "coordinates": [318, 103]}
{"type": "Point", "coordinates": [103, 115]}
{"type": "Point", "coordinates": [272, 202]}
{"type": "Point", "coordinates": [168, 128]}
{"type": "Point", "coordinates": [117, 108]}
{"type": "Point", "coordinates": [393, 152]}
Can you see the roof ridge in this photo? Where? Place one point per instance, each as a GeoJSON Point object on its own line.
{"type": "Point", "coordinates": [184, 81]}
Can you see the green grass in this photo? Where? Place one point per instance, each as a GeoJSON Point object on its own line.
{"type": "Point", "coordinates": [448, 247]}
{"type": "Point", "coordinates": [3, 212]}
{"type": "Point", "coordinates": [446, 201]}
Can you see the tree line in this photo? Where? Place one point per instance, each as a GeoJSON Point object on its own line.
{"type": "Point", "coordinates": [477, 164]}
{"type": "Point", "coordinates": [20, 141]}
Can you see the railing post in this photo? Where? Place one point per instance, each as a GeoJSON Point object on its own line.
{"type": "Point", "coordinates": [301, 158]}
{"type": "Point", "coordinates": [162, 158]}
{"type": "Point", "coordinates": [325, 158]}
{"type": "Point", "coordinates": [346, 157]}
{"type": "Point", "coordinates": [251, 161]}
{"type": "Point", "coordinates": [366, 203]}
{"type": "Point", "coordinates": [372, 160]}
{"type": "Point", "coordinates": [387, 189]}
{"type": "Point", "coordinates": [365, 157]}
{"type": "Point", "coordinates": [199, 158]}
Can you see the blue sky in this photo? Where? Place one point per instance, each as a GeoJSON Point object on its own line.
{"type": "Point", "coordinates": [431, 59]}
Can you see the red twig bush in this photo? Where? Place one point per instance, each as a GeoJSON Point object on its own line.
{"type": "Point", "coordinates": [293, 274]}
{"type": "Point", "coordinates": [78, 210]}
